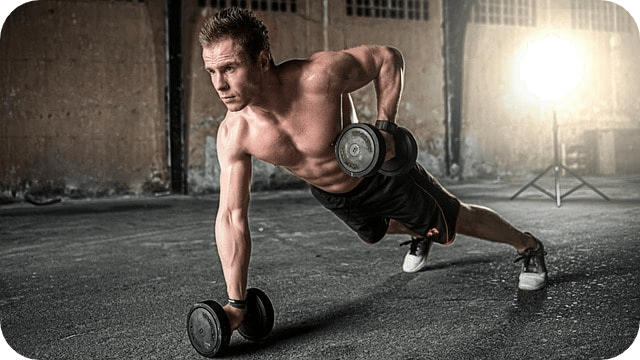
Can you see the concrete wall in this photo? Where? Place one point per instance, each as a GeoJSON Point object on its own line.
{"type": "Point", "coordinates": [298, 35]}
{"type": "Point", "coordinates": [82, 110]}
{"type": "Point", "coordinates": [508, 131]}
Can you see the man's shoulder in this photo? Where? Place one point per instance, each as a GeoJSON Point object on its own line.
{"type": "Point", "coordinates": [232, 133]}
{"type": "Point", "coordinates": [234, 124]}
{"type": "Point", "coordinates": [328, 58]}
{"type": "Point", "coordinates": [317, 70]}
{"type": "Point", "coordinates": [323, 58]}
{"type": "Point", "coordinates": [315, 60]}
{"type": "Point", "coordinates": [233, 120]}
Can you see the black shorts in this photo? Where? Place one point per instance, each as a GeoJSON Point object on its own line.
{"type": "Point", "coordinates": [415, 199]}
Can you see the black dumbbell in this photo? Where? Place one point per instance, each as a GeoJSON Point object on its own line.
{"type": "Point", "coordinates": [360, 150]}
{"type": "Point", "coordinates": [209, 328]}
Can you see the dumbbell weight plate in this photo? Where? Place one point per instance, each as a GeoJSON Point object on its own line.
{"type": "Point", "coordinates": [208, 328]}
{"type": "Point", "coordinates": [260, 317]}
{"type": "Point", "coordinates": [360, 150]}
{"type": "Point", "coordinates": [406, 154]}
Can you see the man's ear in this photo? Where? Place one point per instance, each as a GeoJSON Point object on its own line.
{"type": "Point", "coordinates": [263, 60]}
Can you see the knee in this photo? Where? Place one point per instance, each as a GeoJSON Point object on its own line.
{"type": "Point", "coordinates": [374, 232]}
{"type": "Point", "coordinates": [371, 240]}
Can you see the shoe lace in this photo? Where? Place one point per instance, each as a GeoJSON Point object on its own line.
{"type": "Point", "coordinates": [525, 256]}
{"type": "Point", "coordinates": [528, 256]}
{"type": "Point", "coordinates": [413, 245]}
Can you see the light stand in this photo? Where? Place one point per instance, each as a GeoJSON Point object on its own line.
{"type": "Point", "coordinates": [557, 166]}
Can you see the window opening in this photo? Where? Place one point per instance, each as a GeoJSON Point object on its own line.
{"type": "Point", "coordinates": [417, 10]}
{"type": "Point", "coordinates": [598, 15]}
{"type": "Point", "coordinates": [255, 5]}
{"type": "Point", "coordinates": [504, 12]}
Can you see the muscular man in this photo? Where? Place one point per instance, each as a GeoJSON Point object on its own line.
{"type": "Point", "coordinates": [290, 114]}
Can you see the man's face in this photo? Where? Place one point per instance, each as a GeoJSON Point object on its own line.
{"type": "Point", "coordinates": [236, 79]}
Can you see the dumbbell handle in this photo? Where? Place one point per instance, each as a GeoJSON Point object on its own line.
{"type": "Point", "coordinates": [386, 125]}
{"type": "Point", "coordinates": [406, 149]}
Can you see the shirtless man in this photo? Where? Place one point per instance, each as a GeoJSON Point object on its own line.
{"type": "Point", "coordinates": [290, 115]}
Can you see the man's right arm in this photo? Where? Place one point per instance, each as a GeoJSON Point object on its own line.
{"type": "Point", "coordinates": [232, 227]}
{"type": "Point", "coordinates": [383, 65]}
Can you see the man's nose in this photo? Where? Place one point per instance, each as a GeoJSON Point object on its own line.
{"type": "Point", "coordinates": [220, 83]}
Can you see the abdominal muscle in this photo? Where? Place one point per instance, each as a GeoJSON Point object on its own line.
{"type": "Point", "coordinates": [327, 176]}
{"type": "Point", "coordinates": [310, 158]}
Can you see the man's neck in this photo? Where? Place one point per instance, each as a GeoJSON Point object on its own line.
{"type": "Point", "coordinates": [272, 101]}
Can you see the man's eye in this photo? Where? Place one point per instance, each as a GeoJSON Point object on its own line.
{"type": "Point", "coordinates": [228, 69]}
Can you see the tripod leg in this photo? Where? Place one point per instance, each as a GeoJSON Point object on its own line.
{"type": "Point", "coordinates": [586, 183]}
{"type": "Point", "coordinates": [530, 183]}
{"type": "Point", "coordinates": [556, 172]}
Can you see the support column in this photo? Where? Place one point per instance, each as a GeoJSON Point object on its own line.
{"type": "Point", "coordinates": [175, 96]}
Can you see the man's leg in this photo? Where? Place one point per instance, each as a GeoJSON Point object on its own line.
{"type": "Point", "coordinates": [484, 223]}
{"type": "Point", "coordinates": [481, 222]}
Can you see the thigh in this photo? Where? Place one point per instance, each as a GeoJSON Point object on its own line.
{"type": "Point", "coordinates": [364, 219]}
{"type": "Point", "coordinates": [426, 205]}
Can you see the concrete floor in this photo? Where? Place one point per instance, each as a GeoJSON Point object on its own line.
{"type": "Point", "coordinates": [115, 278]}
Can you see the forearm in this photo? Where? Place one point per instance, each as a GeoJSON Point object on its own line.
{"type": "Point", "coordinates": [234, 249]}
{"type": "Point", "coordinates": [389, 83]}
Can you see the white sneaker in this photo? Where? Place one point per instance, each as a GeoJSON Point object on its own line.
{"type": "Point", "coordinates": [533, 275]}
{"type": "Point", "coordinates": [416, 258]}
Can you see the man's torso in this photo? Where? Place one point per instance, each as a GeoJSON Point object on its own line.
{"type": "Point", "coordinates": [299, 133]}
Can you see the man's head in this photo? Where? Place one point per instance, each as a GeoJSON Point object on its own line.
{"type": "Point", "coordinates": [241, 26]}
{"type": "Point", "coordinates": [235, 52]}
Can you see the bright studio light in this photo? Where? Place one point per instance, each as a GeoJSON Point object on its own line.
{"type": "Point", "coordinates": [551, 68]}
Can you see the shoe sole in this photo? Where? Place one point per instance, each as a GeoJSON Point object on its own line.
{"type": "Point", "coordinates": [531, 288]}
{"type": "Point", "coordinates": [420, 266]}
{"type": "Point", "coordinates": [525, 287]}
